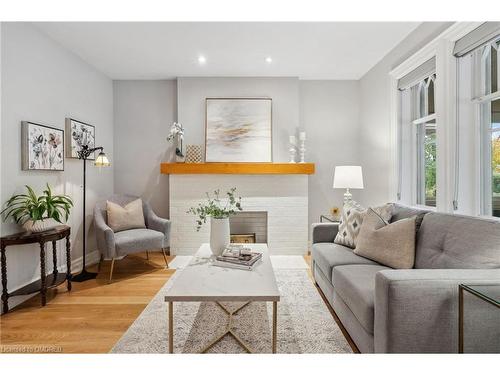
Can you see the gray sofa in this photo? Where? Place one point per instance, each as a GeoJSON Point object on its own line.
{"type": "Point", "coordinates": [386, 310]}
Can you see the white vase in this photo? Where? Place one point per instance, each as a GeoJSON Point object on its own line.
{"type": "Point", "coordinates": [219, 235]}
{"type": "Point", "coordinates": [39, 225]}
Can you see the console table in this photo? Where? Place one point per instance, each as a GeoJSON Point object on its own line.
{"type": "Point", "coordinates": [46, 281]}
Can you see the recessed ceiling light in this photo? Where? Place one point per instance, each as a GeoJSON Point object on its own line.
{"type": "Point", "coordinates": [269, 60]}
{"type": "Point", "coordinates": [202, 59]}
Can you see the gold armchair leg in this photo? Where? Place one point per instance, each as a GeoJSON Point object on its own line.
{"type": "Point", "coordinates": [111, 270]}
{"type": "Point", "coordinates": [164, 256]}
{"type": "Point", "coordinates": [147, 255]}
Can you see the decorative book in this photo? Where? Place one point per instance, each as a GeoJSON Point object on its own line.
{"type": "Point", "coordinates": [238, 257]}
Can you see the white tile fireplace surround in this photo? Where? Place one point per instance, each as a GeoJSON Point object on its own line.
{"type": "Point", "coordinates": [283, 197]}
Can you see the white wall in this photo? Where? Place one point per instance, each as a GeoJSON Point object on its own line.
{"type": "Point", "coordinates": [330, 112]}
{"type": "Point", "coordinates": [143, 113]}
{"type": "Point", "coordinates": [375, 113]}
{"type": "Point", "coordinates": [43, 82]}
{"type": "Point", "coordinates": [284, 92]}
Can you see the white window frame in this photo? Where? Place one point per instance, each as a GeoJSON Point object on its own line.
{"type": "Point", "coordinates": [445, 107]}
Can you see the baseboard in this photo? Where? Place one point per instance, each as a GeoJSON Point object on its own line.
{"type": "Point", "coordinates": [76, 266]}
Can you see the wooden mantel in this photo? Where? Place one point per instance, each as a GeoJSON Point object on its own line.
{"type": "Point", "coordinates": [237, 168]}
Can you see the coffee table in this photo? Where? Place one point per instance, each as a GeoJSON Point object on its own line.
{"type": "Point", "coordinates": [201, 281]}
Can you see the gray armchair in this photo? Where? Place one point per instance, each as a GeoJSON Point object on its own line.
{"type": "Point", "coordinates": [117, 245]}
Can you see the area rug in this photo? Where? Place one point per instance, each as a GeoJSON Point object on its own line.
{"type": "Point", "coordinates": [305, 325]}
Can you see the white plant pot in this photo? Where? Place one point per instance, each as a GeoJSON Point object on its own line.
{"type": "Point", "coordinates": [39, 225]}
{"type": "Point", "coordinates": [219, 235]}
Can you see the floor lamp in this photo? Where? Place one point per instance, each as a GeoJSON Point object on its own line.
{"type": "Point", "coordinates": [100, 161]}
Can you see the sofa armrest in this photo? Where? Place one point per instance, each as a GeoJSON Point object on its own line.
{"type": "Point", "coordinates": [324, 232]}
{"type": "Point", "coordinates": [105, 237]}
{"type": "Point", "coordinates": [416, 311]}
{"type": "Point", "coordinates": [157, 223]}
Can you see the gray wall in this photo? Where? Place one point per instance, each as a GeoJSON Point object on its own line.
{"type": "Point", "coordinates": [284, 92]}
{"type": "Point", "coordinates": [330, 112]}
{"type": "Point", "coordinates": [327, 110]}
{"type": "Point", "coordinates": [375, 113]}
{"type": "Point", "coordinates": [44, 83]}
{"type": "Point", "coordinates": [144, 111]}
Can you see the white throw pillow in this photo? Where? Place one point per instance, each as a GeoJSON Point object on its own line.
{"type": "Point", "coordinates": [123, 218]}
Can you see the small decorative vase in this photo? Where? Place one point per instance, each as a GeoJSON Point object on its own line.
{"type": "Point", "coordinates": [219, 235]}
{"type": "Point", "coordinates": [39, 225]}
{"type": "Point", "coordinates": [180, 154]}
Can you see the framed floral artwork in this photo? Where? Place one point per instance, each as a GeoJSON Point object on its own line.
{"type": "Point", "coordinates": [42, 147]}
{"type": "Point", "coordinates": [79, 134]}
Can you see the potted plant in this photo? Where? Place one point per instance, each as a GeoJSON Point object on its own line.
{"type": "Point", "coordinates": [218, 210]}
{"type": "Point", "coordinates": [38, 213]}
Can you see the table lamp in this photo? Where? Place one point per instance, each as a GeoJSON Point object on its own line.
{"type": "Point", "coordinates": [348, 177]}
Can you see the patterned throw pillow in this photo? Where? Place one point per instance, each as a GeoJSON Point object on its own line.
{"type": "Point", "coordinates": [352, 218]}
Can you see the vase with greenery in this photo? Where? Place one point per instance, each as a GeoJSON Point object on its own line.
{"type": "Point", "coordinates": [218, 210]}
{"type": "Point", "coordinates": [38, 213]}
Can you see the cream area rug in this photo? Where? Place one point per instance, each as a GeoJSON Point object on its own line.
{"type": "Point", "coordinates": [304, 323]}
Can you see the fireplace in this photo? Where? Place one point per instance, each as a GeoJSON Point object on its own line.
{"type": "Point", "coordinates": [248, 227]}
{"type": "Point", "coordinates": [281, 199]}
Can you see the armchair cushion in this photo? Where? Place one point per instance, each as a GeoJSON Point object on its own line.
{"type": "Point", "coordinates": [130, 216]}
{"type": "Point", "coordinates": [134, 240]}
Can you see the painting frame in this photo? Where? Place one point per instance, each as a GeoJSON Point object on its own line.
{"type": "Point", "coordinates": [208, 100]}
{"type": "Point", "coordinates": [26, 153]}
{"type": "Point", "coordinates": [72, 146]}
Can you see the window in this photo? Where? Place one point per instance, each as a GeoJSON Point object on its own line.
{"type": "Point", "coordinates": [487, 97]}
{"type": "Point", "coordinates": [424, 124]}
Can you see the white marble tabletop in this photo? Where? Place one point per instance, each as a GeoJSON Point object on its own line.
{"type": "Point", "coordinates": [202, 281]}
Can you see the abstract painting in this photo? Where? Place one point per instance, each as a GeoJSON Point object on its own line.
{"type": "Point", "coordinates": [79, 134]}
{"type": "Point", "coordinates": [42, 147]}
{"type": "Point", "coordinates": [238, 130]}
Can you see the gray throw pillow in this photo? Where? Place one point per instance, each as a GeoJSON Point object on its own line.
{"type": "Point", "coordinates": [351, 220]}
{"type": "Point", "coordinates": [392, 244]}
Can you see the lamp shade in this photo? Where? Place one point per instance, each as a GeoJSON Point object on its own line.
{"type": "Point", "coordinates": [348, 177]}
{"type": "Point", "coordinates": [102, 160]}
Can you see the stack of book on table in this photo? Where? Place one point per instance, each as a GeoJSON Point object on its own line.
{"type": "Point", "coordinates": [238, 256]}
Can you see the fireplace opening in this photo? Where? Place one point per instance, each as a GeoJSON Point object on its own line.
{"type": "Point", "coordinates": [248, 227]}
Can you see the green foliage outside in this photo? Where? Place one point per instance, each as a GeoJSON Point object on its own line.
{"type": "Point", "coordinates": [430, 167]}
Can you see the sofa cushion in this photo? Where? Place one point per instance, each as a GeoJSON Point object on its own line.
{"type": "Point", "coordinates": [403, 212]}
{"type": "Point", "coordinates": [455, 241]}
{"type": "Point", "coordinates": [352, 218]}
{"type": "Point", "coordinates": [129, 241]}
{"type": "Point", "coordinates": [355, 284]}
{"type": "Point", "coordinates": [391, 244]}
{"type": "Point", "coordinates": [329, 255]}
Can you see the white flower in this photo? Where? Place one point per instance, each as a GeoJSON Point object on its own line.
{"type": "Point", "coordinates": [175, 130]}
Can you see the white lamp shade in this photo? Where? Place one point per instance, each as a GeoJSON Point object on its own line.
{"type": "Point", "coordinates": [348, 177]}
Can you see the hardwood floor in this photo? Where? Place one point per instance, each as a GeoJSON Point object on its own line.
{"type": "Point", "coordinates": [95, 314]}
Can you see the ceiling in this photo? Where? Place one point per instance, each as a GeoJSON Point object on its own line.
{"type": "Point", "coordinates": [161, 50]}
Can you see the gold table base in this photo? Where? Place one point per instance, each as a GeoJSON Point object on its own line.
{"type": "Point", "coordinates": [229, 328]}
